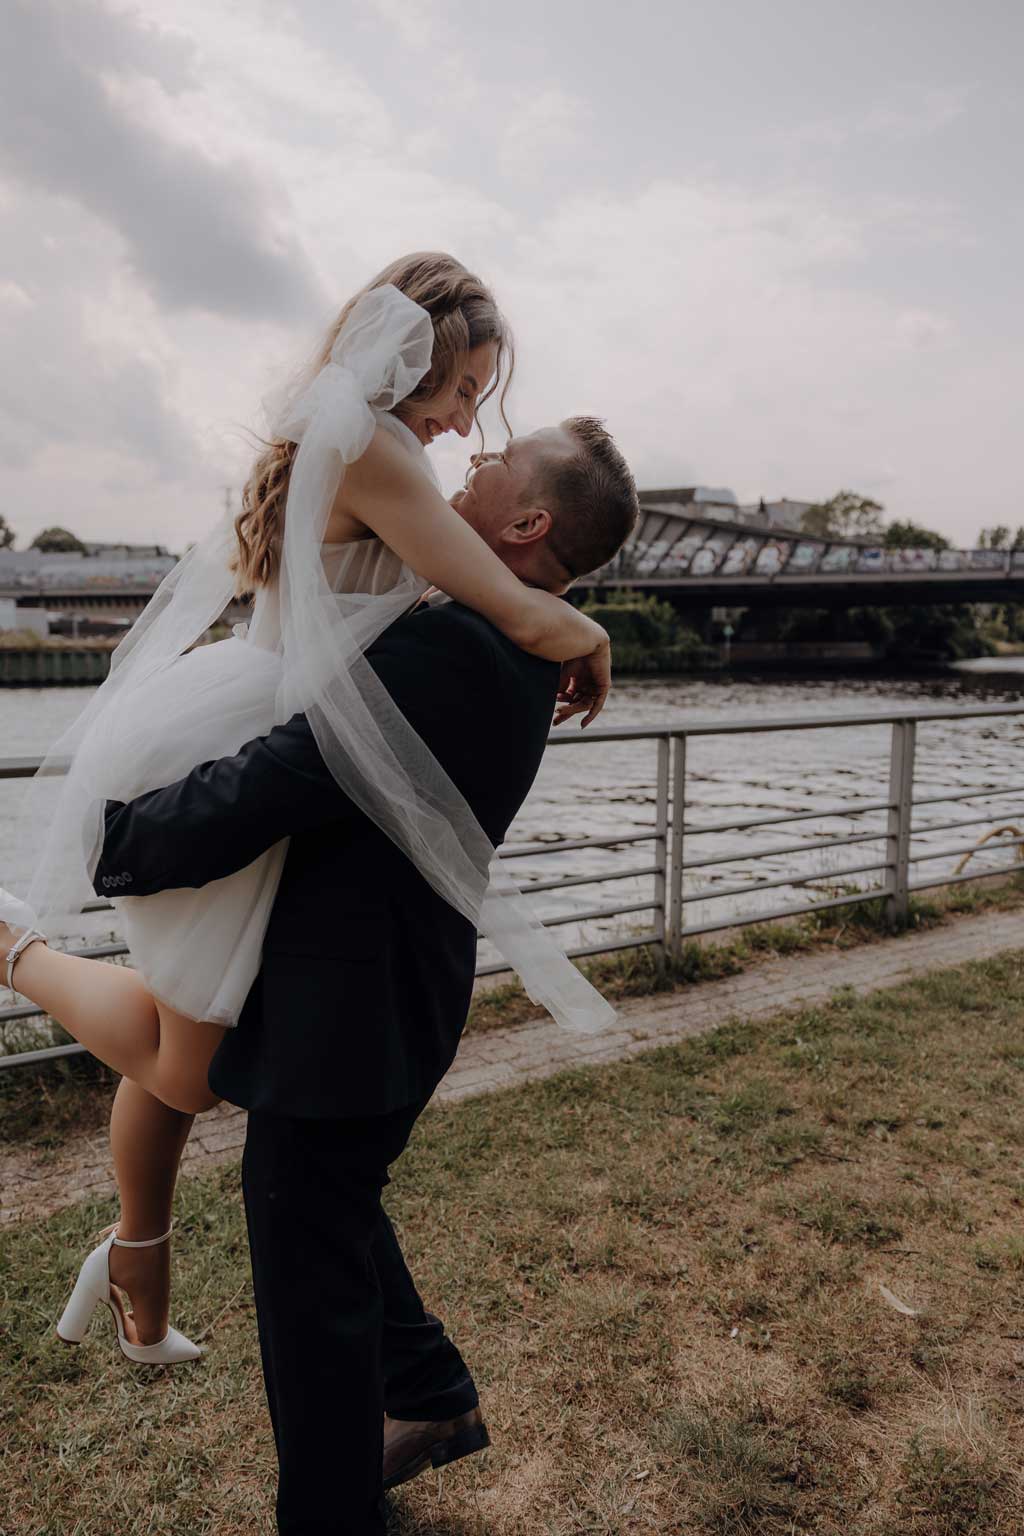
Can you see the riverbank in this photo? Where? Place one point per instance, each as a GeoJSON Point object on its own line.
{"type": "Point", "coordinates": [53, 1117]}
{"type": "Point", "coordinates": [62, 662]}
{"type": "Point", "coordinates": [54, 663]}
{"type": "Point", "coordinates": [766, 1279]}
{"type": "Point", "coordinates": [644, 972]}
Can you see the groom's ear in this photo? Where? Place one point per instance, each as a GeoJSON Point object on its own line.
{"type": "Point", "coordinates": [532, 524]}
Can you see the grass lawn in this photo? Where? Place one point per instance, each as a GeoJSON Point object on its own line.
{"type": "Point", "coordinates": [667, 1276]}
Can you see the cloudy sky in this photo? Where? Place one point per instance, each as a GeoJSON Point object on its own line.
{"type": "Point", "coordinates": [777, 248]}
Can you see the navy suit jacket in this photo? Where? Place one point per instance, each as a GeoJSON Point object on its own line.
{"type": "Point", "coordinates": [367, 973]}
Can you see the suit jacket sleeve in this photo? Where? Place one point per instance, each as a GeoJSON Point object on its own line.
{"type": "Point", "coordinates": [227, 812]}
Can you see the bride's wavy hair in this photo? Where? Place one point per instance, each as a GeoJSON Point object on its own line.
{"type": "Point", "coordinates": [464, 315]}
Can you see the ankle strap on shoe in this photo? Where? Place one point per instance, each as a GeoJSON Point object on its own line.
{"type": "Point", "coordinates": [17, 949]}
{"type": "Point", "coordinates": [149, 1242]}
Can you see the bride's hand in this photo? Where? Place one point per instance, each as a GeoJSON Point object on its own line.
{"type": "Point", "coordinates": [585, 684]}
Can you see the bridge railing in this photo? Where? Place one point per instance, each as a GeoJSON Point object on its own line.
{"type": "Point", "coordinates": [890, 853]}
{"type": "Point", "coordinates": [668, 543]}
{"type": "Point", "coordinates": [769, 556]}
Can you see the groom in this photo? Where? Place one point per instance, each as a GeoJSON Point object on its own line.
{"type": "Point", "coordinates": [365, 983]}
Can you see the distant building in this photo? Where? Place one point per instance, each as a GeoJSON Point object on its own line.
{"type": "Point", "coordinates": [780, 514]}
{"type": "Point", "coordinates": [689, 495]}
{"type": "Point", "coordinates": [718, 503]}
{"type": "Point", "coordinates": [36, 620]}
{"type": "Point", "coordinates": [125, 551]}
{"type": "Point", "coordinates": [33, 570]}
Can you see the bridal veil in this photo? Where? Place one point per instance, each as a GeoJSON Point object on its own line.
{"type": "Point", "coordinates": [379, 356]}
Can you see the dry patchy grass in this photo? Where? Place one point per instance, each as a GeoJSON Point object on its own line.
{"type": "Point", "coordinates": [666, 1275]}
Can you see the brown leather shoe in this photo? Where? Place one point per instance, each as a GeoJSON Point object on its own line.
{"type": "Point", "coordinates": [410, 1446]}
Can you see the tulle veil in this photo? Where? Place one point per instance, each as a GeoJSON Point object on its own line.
{"type": "Point", "coordinates": [379, 356]}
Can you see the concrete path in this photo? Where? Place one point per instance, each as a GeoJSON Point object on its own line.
{"type": "Point", "coordinates": [32, 1184]}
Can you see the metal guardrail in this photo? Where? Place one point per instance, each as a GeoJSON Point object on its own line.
{"type": "Point", "coordinates": [672, 832]}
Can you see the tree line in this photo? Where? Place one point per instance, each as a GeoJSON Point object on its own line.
{"type": "Point", "coordinates": [51, 541]}
{"type": "Point", "coordinates": [848, 515]}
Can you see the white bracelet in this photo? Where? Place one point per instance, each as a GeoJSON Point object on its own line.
{"type": "Point", "coordinates": [17, 949]}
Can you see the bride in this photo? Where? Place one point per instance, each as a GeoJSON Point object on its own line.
{"type": "Point", "coordinates": [343, 528]}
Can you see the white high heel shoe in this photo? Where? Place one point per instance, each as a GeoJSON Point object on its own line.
{"type": "Point", "coordinates": [17, 915]}
{"type": "Point", "coordinates": [93, 1286]}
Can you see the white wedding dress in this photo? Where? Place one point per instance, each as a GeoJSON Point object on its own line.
{"type": "Point", "coordinates": [166, 708]}
{"type": "Point", "coordinates": [199, 950]}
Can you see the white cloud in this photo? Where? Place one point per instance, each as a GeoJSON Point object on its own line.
{"type": "Point", "coordinates": [909, 111]}
{"type": "Point", "coordinates": [257, 87]}
{"type": "Point", "coordinates": [196, 230]}
{"type": "Point", "coordinates": [415, 23]}
{"type": "Point", "coordinates": [195, 200]}
{"type": "Point", "coordinates": [14, 296]}
{"type": "Point", "coordinates": [541, 125]}
{"type": "Point", "coordinates": [722, 338]}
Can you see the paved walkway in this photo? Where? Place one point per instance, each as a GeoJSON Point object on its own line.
{"type": "Point", "coordinates": [34, 1184]}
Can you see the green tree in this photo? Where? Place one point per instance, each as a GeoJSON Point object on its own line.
{"type": "Point", "coordinates": [937, 632]}
{"type": "Point", "coordinates": [57, 541]}
{"type": "Point", "coordinates": [1007, 623]}
{"type": "Point", "coordinates": [6, 533]}
{"type": "Point", "coordinates": [647, 635]}
{"type": "Point", "coordinates": [846, 515]}
{"type": "Point", "coordinates": [999, 538]}
{"type": "Point", "coordinates": [834, 624]}
{"type": "Point", "coordinates": [908, 535]}
{"type": "Point", "coordinates": [915, 633]}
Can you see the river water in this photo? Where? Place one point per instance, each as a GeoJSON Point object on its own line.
{"type": "Point", "coordinates": [608, 789]}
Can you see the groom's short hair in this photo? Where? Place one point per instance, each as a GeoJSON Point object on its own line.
{"type": "Point", "coordinates": [591, 496]}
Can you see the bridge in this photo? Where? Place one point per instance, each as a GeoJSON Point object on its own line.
{"type": "Point", "coordinates": [675, 553]}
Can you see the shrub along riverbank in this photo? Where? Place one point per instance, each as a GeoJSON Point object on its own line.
{"type": "Point", "coordinates": [909, 635]}
{"type": "Point", "coordinates": [648, 635]}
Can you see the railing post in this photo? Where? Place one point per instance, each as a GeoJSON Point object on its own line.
{"type": "Point", "coordinates": [661, 845]}
{"type": "Point", "coordinates": [901, 807]}
{"type": "Point", "coordinates": [675, 908]}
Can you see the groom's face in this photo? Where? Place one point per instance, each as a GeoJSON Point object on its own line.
{"type": "Point", "coordinates": [502, 501]}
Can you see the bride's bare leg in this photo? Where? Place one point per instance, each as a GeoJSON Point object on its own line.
{"type": "Point", "coordinates": [163, 1058]}
{"type": "Point", "coordinates": [147, 1139]}
{"type": "Point", "coordinates": [108, 1009]}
